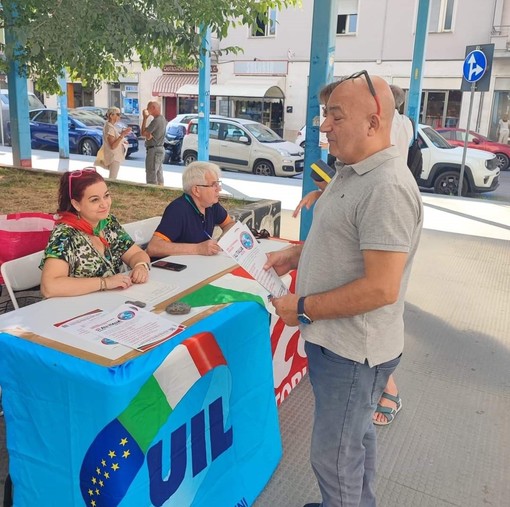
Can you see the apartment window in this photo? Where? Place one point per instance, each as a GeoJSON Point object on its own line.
{"type": "Point", "coordinates": [441, 15]}
{"type": "Point", "coordinates": [347, 18]}
{"type": "Point", "coordinates": [265, 27]}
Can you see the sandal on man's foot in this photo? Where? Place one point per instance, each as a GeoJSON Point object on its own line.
{"type": "Point", "coordinates": [388, 412]}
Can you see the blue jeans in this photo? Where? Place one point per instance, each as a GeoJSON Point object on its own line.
{"type": "Point", "coordinates": [343, 451]}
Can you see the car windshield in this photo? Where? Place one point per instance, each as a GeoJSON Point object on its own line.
{"type": "Point", "coordinates": [436, 139]}
{"type": "Point", "coordinates": [263, 134]}
{"type": "Point", "coordinates": [86, 118]}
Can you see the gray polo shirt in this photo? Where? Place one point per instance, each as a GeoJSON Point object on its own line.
{"type": "Point", "coordinates": [372, 205]}
{"type": "Point", "coordinates": [157, 127]}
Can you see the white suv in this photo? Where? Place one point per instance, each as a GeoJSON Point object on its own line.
{"type": "Point", "coordinates": [442, 162]}
{"type": "Point", "coordinates": [245, 145]}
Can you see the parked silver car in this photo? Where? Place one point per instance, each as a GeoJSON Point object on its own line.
{"type": "Point", "coordinates": [5, 131]}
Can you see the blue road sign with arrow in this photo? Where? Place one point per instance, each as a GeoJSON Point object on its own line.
{"type": "Point", "coordinates": [475, 66]}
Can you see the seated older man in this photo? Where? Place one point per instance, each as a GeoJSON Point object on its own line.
{"type": "Point", "coordinates": [188, 222]}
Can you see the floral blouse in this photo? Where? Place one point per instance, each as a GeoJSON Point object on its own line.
{"type": "Point", "coordinates": [84, 260]}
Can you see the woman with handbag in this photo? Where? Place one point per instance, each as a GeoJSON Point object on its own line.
{"type": "Point", "coordinates": [114, 145]}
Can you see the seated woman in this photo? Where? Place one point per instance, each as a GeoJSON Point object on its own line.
{"type": "Point", "coordinates": [87, 247]}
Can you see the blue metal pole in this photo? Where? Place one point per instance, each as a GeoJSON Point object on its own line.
{"type": "Point", "coordinates": [18, 96]}
{"type": "Point", "coordinates": [204, 94]}
{"type": "Point", "coordinates": [63, 118]}
{"type": "Point", "coordinates": [420, 39]}
{"type": "Point", "coordinates": [322, 60]}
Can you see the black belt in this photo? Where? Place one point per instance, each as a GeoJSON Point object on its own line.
{"type": "Point", "coordinates": [149, 147]}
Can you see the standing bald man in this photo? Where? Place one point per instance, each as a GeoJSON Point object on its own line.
{"type": "Point", "coordinates": [353, 272]}
{"type": "Point", "coordinates": [154, 134]}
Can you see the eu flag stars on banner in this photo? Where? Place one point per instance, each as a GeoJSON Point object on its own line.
{"type": "Point", "coordinates": [116, 461]}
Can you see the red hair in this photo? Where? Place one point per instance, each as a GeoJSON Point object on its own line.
{"type": "Point", "coordinates": [80, 181]}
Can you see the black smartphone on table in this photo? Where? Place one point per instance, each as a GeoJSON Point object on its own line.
{"type": "Point", "coordinates": [171, 266]}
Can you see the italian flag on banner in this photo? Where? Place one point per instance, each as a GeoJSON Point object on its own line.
{"type": "Point", "coordinates": [233, 287]}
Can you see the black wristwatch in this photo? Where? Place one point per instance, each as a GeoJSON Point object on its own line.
{"type": "Point", "coordinates": [301, 315]}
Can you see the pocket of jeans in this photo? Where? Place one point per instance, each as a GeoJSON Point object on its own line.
{"type": "Point", "coordinates": [331, 356]}
{"type": "Point", "coordinates": [382, 374]}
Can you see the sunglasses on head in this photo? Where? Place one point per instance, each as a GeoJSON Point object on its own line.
{"type": "Point", "coordinates": [77, 174]}
{"type": "Point", "coordinates": [370, 86]}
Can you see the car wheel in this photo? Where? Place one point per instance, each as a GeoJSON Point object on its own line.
{"type": "Point", "coordinates": [263, 168]}
{"type": "Point", "coordinates": [503, 161]}
{"type": "Point", "coordinates": [188, 157]}
{"type": "Point", "coordinates": [89, 147]}
{"type": "Point", "coordinates": [303, 145]}
{"type": "Point", "coordinates": [447, 183]}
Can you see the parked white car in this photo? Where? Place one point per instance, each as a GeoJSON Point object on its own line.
{"type": "Point", "coordinates": [301, 137]}
{"type": "Point", "coordinates": [184, 119]}
{"type": "Point", "coordinates": [442, 163]}
{"type": "Point", "coordinates": [245, 145]}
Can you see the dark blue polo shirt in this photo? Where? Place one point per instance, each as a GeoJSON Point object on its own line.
{"type": "Point", "coordinates": [182, 221]}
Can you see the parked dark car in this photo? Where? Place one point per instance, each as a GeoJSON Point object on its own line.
{"type": "Point", "coordinates": [456, 138]}
{"type": "Point", "coordinates": [85, 131]}
{"type": "Point", "coordinates": [173, 143]}
{"type": "Point", "coordinates": [126, 120]}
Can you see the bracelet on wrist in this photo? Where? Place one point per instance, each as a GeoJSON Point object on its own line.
{"type": "Point", "coordinates": [103, 284]}
{"type": "Point", "coordinates": [146, 265]}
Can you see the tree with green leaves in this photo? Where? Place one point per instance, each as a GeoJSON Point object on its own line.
{"type": "Point", "coordinates": [94, 39]}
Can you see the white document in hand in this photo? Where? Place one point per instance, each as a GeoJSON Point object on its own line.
{"type": "Point", "coordinates": [240, 244]}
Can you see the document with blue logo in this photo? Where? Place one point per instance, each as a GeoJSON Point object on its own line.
{"type": "Point", "coordinates": [240, 244]}
{"type": "Point", "coordinates": [127, 325]}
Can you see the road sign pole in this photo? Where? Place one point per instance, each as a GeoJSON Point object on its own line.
{"type": "Point", "coordinates": [464, 151]}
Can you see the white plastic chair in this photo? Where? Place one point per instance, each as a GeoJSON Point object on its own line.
{"type": "Point", "coordinates": [21, 274]}
{"type": "Point", "coordinates": [142, 230]}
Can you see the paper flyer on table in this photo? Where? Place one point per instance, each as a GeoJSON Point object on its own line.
{"type": "Point", "coordinates": [151, 292]}
{"type": "Point", "coordinates": [128, 325]}
{"type": "Point", "coordinates": [240, 244]}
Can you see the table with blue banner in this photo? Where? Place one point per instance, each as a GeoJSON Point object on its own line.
{"type": "Point", "coordinates": [191, 422]}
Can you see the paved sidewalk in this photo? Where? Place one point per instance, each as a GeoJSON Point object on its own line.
{"type": "Point", "coordinates": [450, 445]}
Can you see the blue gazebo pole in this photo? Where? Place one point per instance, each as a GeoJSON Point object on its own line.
{"type": "Point", "coordinates": [415, 85]}
{"type": "Point", "coordinates": [204, 94]}
{"type": "Point", "coordinates": [18, 95]}
{"type": "Point", "coordinates": [63, 118]}
{"type": "Point", "coordinates": [322, 61]}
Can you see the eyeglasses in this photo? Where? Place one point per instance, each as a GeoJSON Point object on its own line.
{"type": "Point", "coordinates": [214, 184]}
{"type": "Point", "coordinates": [118, 114]}
{"type": "Point", "coordinates": [77, 174]}
{"type": "Point", "coordinates": [370, 86]}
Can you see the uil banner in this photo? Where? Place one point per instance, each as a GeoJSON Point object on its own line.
{"type": "Point", "coordinates": [191, 423]}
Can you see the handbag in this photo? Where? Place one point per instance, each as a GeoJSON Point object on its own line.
{"type": "Point", "coordinates": [100, 161]}
{"type": "Point", "coordinates": [23, 233]}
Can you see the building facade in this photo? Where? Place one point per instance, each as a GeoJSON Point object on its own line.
{"type": "Point", "coordinates": [378, 35]}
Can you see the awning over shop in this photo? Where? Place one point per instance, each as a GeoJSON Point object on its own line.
{"type": "Point", "coordinates": [268, 89]}
{"type": "Point", "coordinates": [168, 84]}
